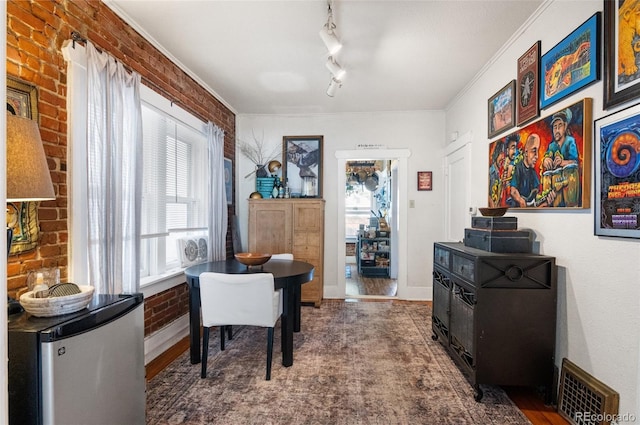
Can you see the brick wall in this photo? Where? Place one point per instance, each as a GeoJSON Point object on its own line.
{"type": "Point", "coordinates": [36, 31]}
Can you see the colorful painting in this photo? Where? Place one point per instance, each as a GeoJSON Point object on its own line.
{"type": "Point", "coordinates": [545, 164]}
{"type": "Point", "coordinates": [501, 111]}
{"type": "Point", "coordinates": [22, 217]}
{"type": "Point", "coordinates": [617, 168]}
{"type": "Point", "coordinates": [621, 53]}
{"type": "Point", "coordinates": [572, 64]}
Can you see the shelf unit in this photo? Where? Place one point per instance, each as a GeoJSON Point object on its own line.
{"type": "Point", "coordinates": [373, 256]}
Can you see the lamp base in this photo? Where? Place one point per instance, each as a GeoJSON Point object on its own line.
{"type": "Point", "coordinates": [13, 306]}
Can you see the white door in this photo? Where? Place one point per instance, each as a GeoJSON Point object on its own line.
{"type": "Point", "coordinates": [457, 172]}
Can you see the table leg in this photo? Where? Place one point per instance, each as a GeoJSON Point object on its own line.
{"type": "Point", "coordinates": [287, 319]}
{"type": "Point", "coordinates": [194, 322]}
{"type": "Point", "coordinates": [296, 318]}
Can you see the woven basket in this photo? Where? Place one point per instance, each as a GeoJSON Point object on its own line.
{"type": "Point", "coordinates": [55, 306]}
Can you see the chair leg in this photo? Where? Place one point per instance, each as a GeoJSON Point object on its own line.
{"type": "Point", "coordinates": [269, 352]}
{"type": "Point", "coordinates": [222, 338]}
{"type": "Point", "coordinates": [205, 351]}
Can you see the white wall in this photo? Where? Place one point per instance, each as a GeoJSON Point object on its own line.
{"type": "Point", "coordinates": [599, 278]}
{"type": "Point", "coordinates": [422, 132]}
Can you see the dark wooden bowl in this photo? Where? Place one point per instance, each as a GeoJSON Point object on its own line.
{"type": "Point", "coordinates": [252, 259]}
{"type": "Point", "coordinates": [493, 212]}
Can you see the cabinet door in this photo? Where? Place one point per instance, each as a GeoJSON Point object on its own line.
{"type": "Point", "coordinates": [461, 321]}
{"type": "Point", "coordinates": [308, 245]}
{"type": "Point", "coordinates": [270, 226]}
{"type": "Point", "coordinates": [441, 304]}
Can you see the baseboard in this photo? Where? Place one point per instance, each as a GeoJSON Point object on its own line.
{"type": "Point", "coordinates": [160, 341]}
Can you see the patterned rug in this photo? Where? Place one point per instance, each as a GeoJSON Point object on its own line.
{"type": "Point", "coordinates": [354, 363]}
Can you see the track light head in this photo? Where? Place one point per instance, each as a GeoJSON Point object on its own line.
{"type": "Point", "coordinates": [329, 38]}
{"type": "Point", "coordinates": [336, 70]}
{"type": "Point", "coordinates": [333, 86]}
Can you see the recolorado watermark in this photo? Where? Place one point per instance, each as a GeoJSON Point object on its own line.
{"type": "Point", "coordinates": [613, 418]}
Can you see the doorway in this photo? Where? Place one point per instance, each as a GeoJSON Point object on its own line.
{"type": "Point", "coordinates": [368, 195]}
{"type": "Point", "coordinates": [398, 225]}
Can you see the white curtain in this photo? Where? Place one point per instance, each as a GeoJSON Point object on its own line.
{"type": "Point", "coordinates": [114, 155]}
{"type": "Point", "coordinates": [217, 195]}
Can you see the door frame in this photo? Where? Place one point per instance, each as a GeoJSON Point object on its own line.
{"type": "Point", "coordinates": [460, 149]}
{"type": "Point", "coordinates": [402, 156]}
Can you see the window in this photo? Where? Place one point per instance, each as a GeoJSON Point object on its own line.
{"type": "Point", "coordinates": [358, 205]}
{"type": "Point", "coordinates": [174, 194]}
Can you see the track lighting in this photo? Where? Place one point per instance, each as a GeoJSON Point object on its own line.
{"type": "Point", "coordinates": [330, 39]}
{"type": "Point", "coordinates": [336, 70]}
{"type": "Point", "coordinates": [328, 35]}
{"type": "Point", "coordinates": [333, 86]}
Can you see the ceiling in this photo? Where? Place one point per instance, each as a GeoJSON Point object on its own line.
{"type": "Point", "coordinates": [266, 56]}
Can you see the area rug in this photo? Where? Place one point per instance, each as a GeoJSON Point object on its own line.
{"type": "Point", "coordinates": [354, 363]}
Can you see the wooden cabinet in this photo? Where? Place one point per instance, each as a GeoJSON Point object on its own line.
{"type": "Point", "coordinates": [295, 226]}
{"type": "Point", "coordinates": [496, 315]}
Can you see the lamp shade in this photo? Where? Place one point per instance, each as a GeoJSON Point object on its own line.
{"type": "Point", "coordinates": [28, 177]}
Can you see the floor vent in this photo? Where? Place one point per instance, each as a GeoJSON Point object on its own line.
{"type": "Point", "coordinates": [583, 399]}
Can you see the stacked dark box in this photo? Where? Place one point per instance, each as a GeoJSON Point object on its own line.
{"type": "Point", "coordinates": [497, 234]}
{"type": "Point", "coordinates": [494, 223]}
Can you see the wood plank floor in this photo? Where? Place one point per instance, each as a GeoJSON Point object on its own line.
{"type": "Point", "coordinates": [369, 286]}
{"type": "Point", "coordinates": [527, 400]}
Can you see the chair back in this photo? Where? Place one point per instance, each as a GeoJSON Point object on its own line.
{"type": "Point", "coordinates": [285, 256]}
{"type": "Point", "coordinates": [239, 299]}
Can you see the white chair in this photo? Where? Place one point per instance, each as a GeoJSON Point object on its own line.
{"type": "Point", "coordinates": [285, 256]}
{"type": "Point", "coordinates": [238, 299]}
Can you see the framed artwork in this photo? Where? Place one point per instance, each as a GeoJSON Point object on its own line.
{"type": "Point", "coordinates": [228, 180]}
{"type": "Point", "coordinates": [424, 180]}
{"type": "Point", "coordinates": [572, 64]}
{"type": "Point", "coordinates": [545, 164]}
{"type": "Point", "coordinates": [302, 165]}
{"type": "Point", "coordinates": [617, 174]}
{"type": "Point", "coordinates": [621, 57]}
{"type": "Point", "coordinates": [22, 99]}
{"type": "Point", "coordinates": [22, 217]}
{"type": "Point", "coordinates": [528, 81]}
{"type": "Point", "coordinates": [502, 114]}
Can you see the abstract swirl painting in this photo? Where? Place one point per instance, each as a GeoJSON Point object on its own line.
{"type": "Point", "coordinates": [617, 172]}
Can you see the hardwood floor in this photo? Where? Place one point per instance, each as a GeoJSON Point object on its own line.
{"type": "Point", "coordinates": [527, 400]}
{"type": "Point", "coordinates": [369, 286]}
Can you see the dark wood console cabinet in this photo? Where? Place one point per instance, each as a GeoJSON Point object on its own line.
{"type": "Point", "coordinates": [496, 315]}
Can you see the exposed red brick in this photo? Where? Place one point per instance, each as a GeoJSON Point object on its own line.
{"type": "Point", "coordinates": [36, 31]}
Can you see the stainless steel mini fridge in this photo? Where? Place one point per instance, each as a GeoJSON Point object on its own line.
{"type": "Point", "coordinates": [81, 368]}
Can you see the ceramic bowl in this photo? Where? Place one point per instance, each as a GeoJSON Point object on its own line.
{"type": "Point", "coordinates": [252, 259]}
{"type": "Point", "coordinates": [56, 306]}
{"type": "Point", "coordinates": [493, 212]}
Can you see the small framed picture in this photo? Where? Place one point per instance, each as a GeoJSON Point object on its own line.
{"type": "Point", "coordinates": [302, 168]}
{"type": "Point", "coordinates": [22, 99]}
{"type": "Point", "coordinates": [528, 106]}
{"type": "Point", "coordinates": [501, 111]}
{"type": "Point", "coordinates": [228, 180]}
{"type": "Point", "coordinates": [572, 64]}
{"type": "Point", "coordinates": [425, 180]}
